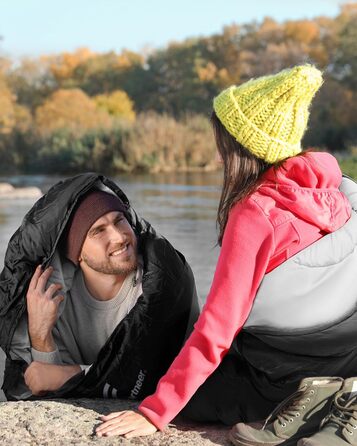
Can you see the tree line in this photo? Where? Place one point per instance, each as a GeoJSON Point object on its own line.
{"type": "Point", "coordinates": [150, 111]}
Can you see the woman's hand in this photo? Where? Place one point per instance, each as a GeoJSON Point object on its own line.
{"type": "Point", "coordinates": [128, 423]}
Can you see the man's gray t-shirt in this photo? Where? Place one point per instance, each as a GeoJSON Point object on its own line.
{"type": "Point", "coordinates": [86, 323]}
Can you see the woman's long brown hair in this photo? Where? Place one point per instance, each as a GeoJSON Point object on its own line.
{"type": "Point", "coordinates": [242, 172]}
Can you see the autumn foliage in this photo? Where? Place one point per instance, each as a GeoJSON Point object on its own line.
{"type": "Point", "coordinates": [7, 108]}
{"type": "Point", "coordinates": [116, 104]}
{"type": "Point", "coordinates": [70, 109]}
{"type": "Point", "coordinates": [149, 111]}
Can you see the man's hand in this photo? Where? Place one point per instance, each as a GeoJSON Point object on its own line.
{"type": "Point", "coordinates": [42, 309]}
{"type": "Point", "coordinates": [128, 423]}
{"type": "Point", "coordinates": [41, 377]}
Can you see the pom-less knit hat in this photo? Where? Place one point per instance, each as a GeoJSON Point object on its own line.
{"type": "Point", "coordinates": [92, 206]}
{"type": "Point", "coordinates": [268, 115]}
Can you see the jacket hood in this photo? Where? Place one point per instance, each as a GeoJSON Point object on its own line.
{"type": "Point", "coordinates": [308, 186]}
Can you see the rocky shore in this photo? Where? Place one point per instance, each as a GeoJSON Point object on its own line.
{"type": "Point", "coordinates": [7, 191]}
{"type": "Point", "coordinates": [72, 422]}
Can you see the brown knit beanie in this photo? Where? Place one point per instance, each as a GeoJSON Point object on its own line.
{"type": "Point", "coordinates": [90, 207]}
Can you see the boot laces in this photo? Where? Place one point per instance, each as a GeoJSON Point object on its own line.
{"type": "Point", "coordinates": [290, 407]}
{"type": "Point", "coordinates": [343, 413]}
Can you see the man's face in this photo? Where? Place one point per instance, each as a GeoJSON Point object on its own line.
{"type": "Point", "coordinates": [110, 246]}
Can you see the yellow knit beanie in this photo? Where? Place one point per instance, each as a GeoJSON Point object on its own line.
{"type": "Point", "coordinates": [268, 115]}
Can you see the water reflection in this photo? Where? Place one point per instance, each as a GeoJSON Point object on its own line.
{"type": "Point", "coordinates": [180, 206]}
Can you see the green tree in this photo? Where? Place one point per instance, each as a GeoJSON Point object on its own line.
{"type": "Point", "coordinates": [333, 120]}
{"type": "Point", "coordinates": [31, 82]}
{"type": "Point", "coordinates": [345, 60]}
{"type": "Point", "coordinates": [107, 72]}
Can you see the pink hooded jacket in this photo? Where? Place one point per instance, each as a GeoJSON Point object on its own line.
{"type": "Point", "coordinates": [293, 207]}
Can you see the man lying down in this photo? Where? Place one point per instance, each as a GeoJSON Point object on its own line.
{"type": "Point", "coordinates": [93, 302]}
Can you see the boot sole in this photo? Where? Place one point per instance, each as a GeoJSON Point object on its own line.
{"type": "Point", "coordinates": [287, 442]}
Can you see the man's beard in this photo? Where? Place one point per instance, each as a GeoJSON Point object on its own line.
{"type": "Point", "coordinates": [105, 267]}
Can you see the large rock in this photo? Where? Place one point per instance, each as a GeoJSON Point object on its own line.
{"type": "Point", "coordinates": [7, 191]}
{"type": "Point", "coordinates": [67, 422]}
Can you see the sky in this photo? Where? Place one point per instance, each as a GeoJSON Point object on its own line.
{"type": "Point", "coordinates": [36, 27]}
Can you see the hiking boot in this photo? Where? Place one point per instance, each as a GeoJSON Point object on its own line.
{"type": "Point", "coordinates": [339, 428]}
{"type": "Point", "coordinates": [297, 416]}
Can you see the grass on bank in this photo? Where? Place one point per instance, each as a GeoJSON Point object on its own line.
{"type": "Point", "coordinates": [349, 166]}
{"type": "Point", "coordinates": [152, 143]}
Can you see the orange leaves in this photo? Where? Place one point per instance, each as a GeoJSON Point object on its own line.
{"type": "Point", "coordinates": [305, 31]}
{"type": "Point", "coordinates": [7, 102]}
{"type": "Point", "coordinates": [63, 65]}
{"type": "Point", "coordinates": [71, 109]}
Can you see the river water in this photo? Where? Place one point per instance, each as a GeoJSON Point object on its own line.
{"type": "Point", "coordinates": [180, 206]}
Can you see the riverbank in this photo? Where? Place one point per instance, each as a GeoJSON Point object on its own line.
{"type": "Point", "coordinates": [142, 164]}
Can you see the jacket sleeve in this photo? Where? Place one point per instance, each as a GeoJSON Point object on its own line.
{"type": "Point", "coordinates": [48, 357]}
{"type": "Point", "coordinates": [247, 246]}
